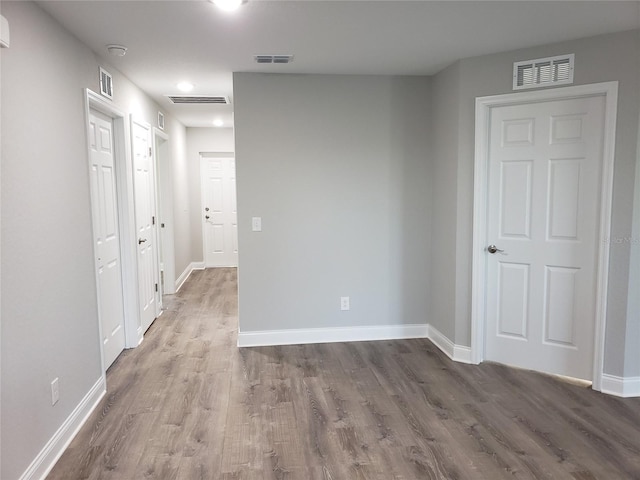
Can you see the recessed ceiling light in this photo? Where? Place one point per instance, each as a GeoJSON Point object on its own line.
{"type": "Point", "coordinates": [117, 50]}
{"type": "Point", "coordinates": [218, 123]}
{"type": "Point", "coordinates": [185, 86]}
{"type": "Point", "coordinates": [228, 5]}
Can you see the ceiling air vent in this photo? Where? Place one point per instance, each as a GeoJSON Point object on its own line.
{"type": "Point", "coordinates": [273, 58]}
{"type": "Point", "coordinates": [198, 100]}
{"type": "Point", "coordinates": [543, 72]}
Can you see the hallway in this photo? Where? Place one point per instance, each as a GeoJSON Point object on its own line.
{"type": "Point", "coordinates": [188, 404]}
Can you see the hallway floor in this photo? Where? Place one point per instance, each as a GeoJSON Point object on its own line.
{"type": "Point", "coordinates": [188, 404]}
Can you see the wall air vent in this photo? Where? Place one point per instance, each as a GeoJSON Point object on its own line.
{"type": "Point", "coordinates": [273, 58]}
{"type": "Point", "coordinates": [543, 72]}
{"type": "Point", "coordinates": [198, 100]}
{"type": "Point", "coordinates": [106, 83]}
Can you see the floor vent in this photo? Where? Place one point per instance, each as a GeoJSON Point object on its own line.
{"type": "Point", "coordinates": [543, 72]}
{"type": "Point", "coordinates": [273, 58]}
{"type": "Point", "coordinates": [198, 100]}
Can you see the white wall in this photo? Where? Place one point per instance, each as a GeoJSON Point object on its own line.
{"type": "Point", "coordinates": [202, 140]}
{"type": "Point", "coordinates": [49, 307]}
{"type": "Point", "coordinates": [337, 167]}
{"type": "Point", "coordinates": [597, 60]}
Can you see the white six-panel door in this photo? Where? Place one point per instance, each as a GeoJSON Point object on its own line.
{"type": "Point", "coordinates": [104, 209]}
{"type": "Point", "coordinates": [144, 187]}
{"type": "Point", "coordinates": [545, 163]}
{"type": "Point", "coordinates": [220, 224]}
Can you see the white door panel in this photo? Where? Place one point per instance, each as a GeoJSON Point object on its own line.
{"type": "Point", "coordinates": [144, 186]}
{"type": "Point", "coordinates": [106, 236]}
{"type": "Point", "coordinates": [543, 209]}
{"type": "Point", "coordinates": [220, 229]}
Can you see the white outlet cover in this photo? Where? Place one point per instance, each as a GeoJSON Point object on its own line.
{"type": "Point", "coordinates": [256, 224]}
{"type": "Point", "coordinates": [344, 303]}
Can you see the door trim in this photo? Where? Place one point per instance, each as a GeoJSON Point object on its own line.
{"type": "Point", "coordinates": [124, 191]}
{"type": "Point", "coordinates": [166, 267]}
{"type": "Point", "coordinates": [609, 90]}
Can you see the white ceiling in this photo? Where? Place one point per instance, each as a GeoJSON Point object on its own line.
{"type": "Point", "coordinates": [171, 41]}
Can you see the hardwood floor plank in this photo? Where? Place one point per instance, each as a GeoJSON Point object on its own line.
{"type": "Point", "coordinates": [187, 404]}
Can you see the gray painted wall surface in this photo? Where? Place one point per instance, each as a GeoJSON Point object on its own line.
{"type": "Point", "coordinates": [632, 348]}
{"type": "Point", "coordinates": [597, 60]}
{"type": "Point", "coordinates": [202, 140]}
{"type": "Point", "coordinates": [337, 168]}
{"type": "Point", "coordinates": [49, 307]}
{"type": "Point", "coordinates": [182, 209]}
{"type": "Point", "coordinates": [443, 169]}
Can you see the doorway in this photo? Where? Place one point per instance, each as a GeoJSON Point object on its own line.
{"type": "Point", "coordinates": [106, 231]}
{"type": "Point", "coordinates": [166, 255]}
{"type": "Point", "coordinates": [115, 183]}
{"type": "Point", "coordinates": [542, 202]}
{"type": "Point", "coordinates": [219, 212]}
{"type": "Point", "coordinates": [146, 224]}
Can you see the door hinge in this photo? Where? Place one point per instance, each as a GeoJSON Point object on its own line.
{"type": "Point", "coordinates": [153, 220]}
{"type": "Point", "coordinates": [156, 287]}
{"type": "Point", "coordinates": [149, 151]}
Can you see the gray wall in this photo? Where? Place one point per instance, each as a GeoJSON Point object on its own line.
{"type": "Point", "coordinates": [337, 167]}
{"type": "Point", "coordinates": [49, 306]}
{"type": "Point", "coordinates": [632, 347]}
{"type": "Point", "coordinates": [182, 210]}
{"type": "Point", "coordinates": [202, 140]}
{"type": "Point", "coordinates": [598, 59]}
{"type": "Point", "coordinates": [444, 170]}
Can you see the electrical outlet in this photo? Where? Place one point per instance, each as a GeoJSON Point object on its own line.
{"type": "Point", "coordinates": [256, 224]}
{"type": "Point", "coordinates": [344, 303]}
{"type": "Point", "coordinates": [55, 392]}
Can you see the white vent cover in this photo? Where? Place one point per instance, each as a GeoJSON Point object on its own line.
{"type": "Point", "coordinates": [106, 83]}
{"type": "Point", "coordinates": [273, 58]}
{"type": "Point", "coordinates": [198, 99]}
{"type": "Point", "coordinates": [543, 72]}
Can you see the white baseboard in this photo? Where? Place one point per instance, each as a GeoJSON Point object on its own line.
{"type": "Point", "coordinates": [55, 447]}
{"type": "Point", "coordinates": [328, 335]}
{"type": "Point", "coordinates": [620, 386]}
{"type": "Point", "coordinates": [457, 353]}
{"type": "Point", "coordinates": [187, 271]}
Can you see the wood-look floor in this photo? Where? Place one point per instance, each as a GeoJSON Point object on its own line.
{"type": "Point", "coordinates": [189, 405]}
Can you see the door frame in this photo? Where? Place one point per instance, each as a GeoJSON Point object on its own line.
{"type": "Point", "coordinates": [484, 106]}
{"type": "Point", "coordinates": [124, 199]}
{"type": "Point", "coordinates": [203, 160]}
{"type": "Point", "coordinates": [166, 267]}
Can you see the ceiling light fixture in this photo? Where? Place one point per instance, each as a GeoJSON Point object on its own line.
{"type": "Point", "coordinates": [185, 86]}
{"type": "Point", "coordinates": [117, 50]}
{"type": "Point", "coordinates": [218, 123]}
{"type": "Point", "coordinates": [228, 5]}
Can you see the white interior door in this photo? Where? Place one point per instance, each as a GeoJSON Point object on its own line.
{"type": "Point", "coordinates": [104, 208]}
{"type": "Point", "coordinates": [545, 164]}
{"type": "Point", "coordinates": [145, 207]}
{"type": "Point", "coordinates": [219, 215]}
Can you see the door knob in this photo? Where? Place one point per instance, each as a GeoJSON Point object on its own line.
{"type": "Point", "coordinates": [206, 217]}
{"type": "Point", "coordinates": [206, 209]}
{"type": "Point", "coordinates": [493, 249]}
{"type": "Point", "coordinates": [141, 240]}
